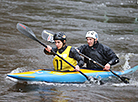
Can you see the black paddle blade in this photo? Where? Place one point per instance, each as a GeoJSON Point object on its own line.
{"type": "Point", "coordinates": [48, 36]}
{"type": "Point", "coordinates": [26, 31]}
{"type": "Point", "coordinates": [125, 79]}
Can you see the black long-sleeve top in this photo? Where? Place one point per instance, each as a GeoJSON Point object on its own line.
{"type": "Point", "coordinates": [99, 53]}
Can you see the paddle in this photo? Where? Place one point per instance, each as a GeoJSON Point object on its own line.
{"type": "Point", "coordinates": [29, 33]}
{"type": "Point", "coordinates": [48, 34]}
{"type": "Point", "coordinates": [124, 79]}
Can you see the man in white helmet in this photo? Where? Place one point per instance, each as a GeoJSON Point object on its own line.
{"type": "Point", "coordinates": [98, 52]}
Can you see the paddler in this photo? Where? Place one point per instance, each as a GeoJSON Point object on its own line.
{"type": "Point", "coordinates": [69, 53]}
{"type": "Point", "coordinates": [98, 52]}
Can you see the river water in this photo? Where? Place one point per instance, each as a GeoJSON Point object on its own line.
{"type": "Point", "coordinates": [114, 20]}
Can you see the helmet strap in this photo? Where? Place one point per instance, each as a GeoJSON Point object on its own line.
{"type": "Point", "coordinates": [95, 41]}
{"type": "Point", "coordinates": [64, 42]}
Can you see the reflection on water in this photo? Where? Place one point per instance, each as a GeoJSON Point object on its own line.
{"type": "Point", "coordinates": [115, 22]}
{"type": "Point", "coordinates": [72, 92]}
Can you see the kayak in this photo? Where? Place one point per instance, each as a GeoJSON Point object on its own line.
{"type": "Point", "coordinates": [45, 75]}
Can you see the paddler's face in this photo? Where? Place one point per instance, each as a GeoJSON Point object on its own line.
{"type": "Point", "coordinates": [90, 41]}
{"type": "Point", "coordinates": [59, 44]}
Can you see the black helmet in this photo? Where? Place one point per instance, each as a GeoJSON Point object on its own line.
{"type": "Point", "coordinates": [60, 36]}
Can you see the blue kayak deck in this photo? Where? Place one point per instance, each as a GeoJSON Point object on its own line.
{"type": "Point", "coordinates": [56, 76]}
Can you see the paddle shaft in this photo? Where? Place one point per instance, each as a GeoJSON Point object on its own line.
{"type": "Point", "coordinates": [28, 32]}
{"type": "Point", "coordinates": [125, 80]}
{"type": "Point", "coordinates": [49, 33]}
{"type": "Point", "coordinates": [70, 64]}
{"type": "Point", "coordinates": [62, 58]}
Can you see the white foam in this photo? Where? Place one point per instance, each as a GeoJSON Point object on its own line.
{"type": "Point", "coordinates": [132, 83]}
{"type": "Point", "coordinates": [126, 57]}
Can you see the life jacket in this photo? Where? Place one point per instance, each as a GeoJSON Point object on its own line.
{"type": "Point", "coordinates": [60, 64]}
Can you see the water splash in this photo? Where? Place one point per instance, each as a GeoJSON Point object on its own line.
{"type": "Point", "coordinates": [18, 70]}
{"type": "Point", "coordinates": [132, 83]}
{"type": "Point", "coordinates": [105, 17]}
{"type": "Point", "coordinates": [94, 81]}
{"type": "Point", "coordinates": [136, 21]}
{"type": "Point", "coordinates": [126, 58]}
{"type": "Point", "coordinates": [11, 79]}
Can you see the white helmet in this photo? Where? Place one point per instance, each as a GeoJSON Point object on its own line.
{"type": "Point", "coordinates": [92, 34]}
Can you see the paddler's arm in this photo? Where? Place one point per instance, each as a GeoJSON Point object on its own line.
{"type": "Point", "coordinates": [113, 59]}
{"type": "Point", "coordinates": [81, 49]}
{"type": "Point", "coordinates": [111, 62]}
{"type": "Point", "coordinates": [74, 54]}
{"type": "Point", "coordinates": [48, 50]}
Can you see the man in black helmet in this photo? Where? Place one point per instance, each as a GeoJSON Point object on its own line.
{"type": "Point", "coordinates": [67, 52]}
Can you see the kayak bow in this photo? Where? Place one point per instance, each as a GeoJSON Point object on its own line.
{"type": "Point", "coordinates": [66, 77]}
